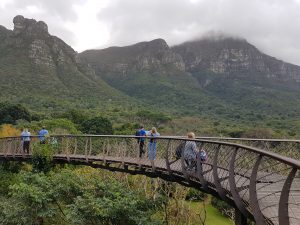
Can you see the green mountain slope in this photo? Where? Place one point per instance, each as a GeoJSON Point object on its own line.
{"type": "Point", "coordinates": [218, 77]}
{"type": "Point", "coordinates": [152, 73]}
{"type": "Point", "coordinates": [237, 73]}
{"type": "Point", "coordinates": [41, 71]}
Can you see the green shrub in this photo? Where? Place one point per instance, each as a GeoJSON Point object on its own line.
{"type": "Point", "coordinates": [42, 156]}
{"type": "Point", "coordinates": [194, 194]}
{"type": "Point", "coordinates": [10, 113]}
{"type": "Point", "coordinates": [97, 125]}
{"type": "Point", "coordinates": [222, 206]}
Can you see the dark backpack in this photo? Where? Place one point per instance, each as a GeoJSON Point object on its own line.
{"type": "Point", "coordinates": [137, 133]}
{"type": "Point", "coordinates": [179, 150]}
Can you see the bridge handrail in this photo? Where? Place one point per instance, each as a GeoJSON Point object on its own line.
{"type": "Point", "coordinates": [199, 137]}
{"type": "Point", "coordinates": [250, 139]}
{"type": "Point", "coordinates": [233, 171]}
{"type": "Point", "coordinates": [290, 161]}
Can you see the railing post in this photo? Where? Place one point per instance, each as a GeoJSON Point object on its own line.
{"type": "Point", "coordinates": [86, 150]}
{"type": "Point", "coordinates": [217, 182]}
{"type": "Point", "coordinates": [75, 150]}
{"type": "Point", "coordinates": [258, 216]}
{"type": "Point", "coordinates": [233, 186]}
{"type": "Point", "coordinates": [90, 150]}
{"type": "Point", "coordinates": [199, 171]}
{"type": "Point", "coordinates": [167, 155]}
{"type": "Point", "coordinates": [67, 149]}
{"type": "Point", "coordinates": [239, 218]}
{"type": "Point", "coordinates": [12, 147]}
{"type": "Point", "coordinates": [283, 210]}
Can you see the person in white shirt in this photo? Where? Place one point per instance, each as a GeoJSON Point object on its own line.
{"type": "Point", "coordinates": [25, 135]}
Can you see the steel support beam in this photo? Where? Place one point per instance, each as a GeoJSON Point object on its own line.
{"type": "Point", "coordinates": [239, 219]}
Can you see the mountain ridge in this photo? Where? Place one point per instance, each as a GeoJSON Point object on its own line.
{"type": "Point", "coordinates": [227, 77]}
{"type": "Point", "coordinates": [224, 71]}
{"type": "Point", "coordinates": [47, 70]}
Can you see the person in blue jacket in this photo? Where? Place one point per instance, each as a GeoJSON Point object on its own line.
{"type": "Point", "coordinates": [42, 133]}
{"type": "Point", "coordinates": [141, 133]}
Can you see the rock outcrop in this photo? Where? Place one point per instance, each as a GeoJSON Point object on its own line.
{"type": "Point", "coordinates": [29, 27]}
{"type": "Point", "coordinates": [34, 61]}
{"type": "Point", "coordinates": [230, 57]}
{"type": "Point", "coordinates": [154, 55]}
{"type": "Point", "coordinates": [234, 57]}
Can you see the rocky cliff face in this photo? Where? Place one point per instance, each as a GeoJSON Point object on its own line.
{"type": "Point", "coordinates": [35, 62]}
{"type": "Point", "coordinates": [227, 57]}
{"type": "Point", "coordinates": [145, 56]}
{"type": "Point", "coordinates": [234, 57]}
{"type": "Point", "coordinates": [203, 75]}
{"type": "Point", "coordinates": [43, 49]}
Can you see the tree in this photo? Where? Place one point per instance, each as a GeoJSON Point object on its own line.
{"type": "Point", "coordinates": [259, 132]}
{"type": "Point", "coordinates": [97, 125]}
{"type": "Point", "coordinates": [76, 116]}
{"type": "Point", "coordinates": [67, 197]}
{"type": "Point", "coordinates": [223, 207]}
{"type": "Point", "coordinates": [10, 113]}
{"type": "Point", "coordinates": [7, 130]}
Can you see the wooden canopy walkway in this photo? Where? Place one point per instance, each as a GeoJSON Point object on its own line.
{"type": "Point", "coordinates": [262, 185]}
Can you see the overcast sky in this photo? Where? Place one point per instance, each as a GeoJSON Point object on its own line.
{"type": "Point", "coordinates": [271, 25]}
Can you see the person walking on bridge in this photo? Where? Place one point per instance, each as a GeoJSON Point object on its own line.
{"type": "Point", "coordinates": [42, 135]}
{"type": "Point", "coordinates": [152, 143]}
{"type": "Point", "coordinates": [190, 151]}
{"type": "Point", "coordinates": [25, 135]}
{"type": "Point", "coordinates": [141, 133]}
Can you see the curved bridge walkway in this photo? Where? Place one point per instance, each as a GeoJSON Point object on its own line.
{"type": "Point", "coordinates": [262, 185]}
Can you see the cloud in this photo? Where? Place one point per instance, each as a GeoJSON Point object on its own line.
{"type": "Point", "coordinates": [55, 13]}
{"type": "Point", "coordinates": [271, 25]}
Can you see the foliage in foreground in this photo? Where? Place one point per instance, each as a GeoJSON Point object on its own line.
{"type": "Point", "coordinates": [68, 197]}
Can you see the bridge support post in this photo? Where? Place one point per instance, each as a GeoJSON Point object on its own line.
{"type": "Point", "coordinates": [240, 219]}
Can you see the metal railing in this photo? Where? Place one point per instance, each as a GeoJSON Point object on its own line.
{"type": "Point", "coordinates": [285, 147]}
{"type": "Point", "coordinates": [261, 184]}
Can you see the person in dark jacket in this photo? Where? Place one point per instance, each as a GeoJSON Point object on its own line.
{"type": "Point", "coordinates": [141, 133]}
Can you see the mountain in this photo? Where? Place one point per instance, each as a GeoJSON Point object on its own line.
{"type": "Point", "coordinates": [236, 58]}
{"type": "Point", "coordinates": [237, 73]}
{"type": "Point", "coordinates": [213, 76]}
{"type": "Point", "coordinates": [42, 71]}
{"type": "Point", "coordinates": [148, 71]}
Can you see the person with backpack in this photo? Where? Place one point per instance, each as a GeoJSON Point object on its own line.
{"type": "Point", "coordinates": [42, 135]}
{"type": "Point", "coordinates": [202, 155]}
{"type": "Point", "coordinates": [190, 152]}
{"type": "Point", "coordinates": [141, 133]}
{"type": "Point", "coordinates": [152, 143]}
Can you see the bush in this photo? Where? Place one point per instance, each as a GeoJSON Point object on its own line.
{"type": "Point", "coordinates": [259, 133]}
{"type": "Point", "coordinates": [194, 194]}
{"type": "Point", "coordinates": [97, 125]}
{"type": "Point", "coordinates": [42, 156]}
{"type": "Point", "coordinates": [7, 130]}
{"type": "Point", "coordinates": [222, 206]}
{"type": "Point", "coordinates": [10, 113]}
{"type": "Point", "coordinates": [155, 117]}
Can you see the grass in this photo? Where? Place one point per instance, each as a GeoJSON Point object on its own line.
{"type": "Point", "coordinates": [213, 216]}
